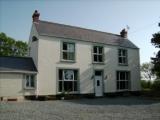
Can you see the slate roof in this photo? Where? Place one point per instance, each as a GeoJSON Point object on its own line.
{"type": "Point", "coordinates": [17, 64]}
{"type": "Point", "coordinates": [45, 28]}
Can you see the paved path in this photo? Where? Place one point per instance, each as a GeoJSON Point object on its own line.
{"type": "Point", "coordinates": [126, 108]}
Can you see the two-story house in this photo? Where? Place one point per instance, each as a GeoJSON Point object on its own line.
{"type": "Point", "coordinates": [81, 61]}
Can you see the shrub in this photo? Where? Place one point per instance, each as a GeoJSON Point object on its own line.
{"type": "Point", "coordinates": [146, 84]}
{"type": "Point", "coordinates": [156, 85]}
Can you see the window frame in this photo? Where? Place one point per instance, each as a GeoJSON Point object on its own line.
{"type": "Point", "coordinates": [97, 54]}
{"type": "Point", "coordinates": [124, 80]}
{"type": "Point", "coordinates": [64, 80]}
{"type": "Point", "coordinates": [30, 81]}
{"type": "Point", "coordinates": [62, 52]}
{"type": "Point", "coordinates": [123, 57]}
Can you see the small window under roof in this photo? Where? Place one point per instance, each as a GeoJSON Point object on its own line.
{"type": "Point", "coordinates": [34, 38]}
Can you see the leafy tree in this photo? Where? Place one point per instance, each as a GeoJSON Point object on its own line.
{"type": "Point", "coordinates": [11, 47]}
{"type": "Point", "coordinates": [146, 71]}
{"type": "Point", "coordinates": [156, 60]}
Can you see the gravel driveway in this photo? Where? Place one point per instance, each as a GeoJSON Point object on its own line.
{"type": "Point", "coordinates": [119, 108]}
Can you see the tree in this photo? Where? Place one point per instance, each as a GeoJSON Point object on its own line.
{"type": "Point", "coordinates": [146, 71]}
{"type": "Point", "coordinates": [11, 47]}
{"type": "Point", "coordinates": [156, 60]}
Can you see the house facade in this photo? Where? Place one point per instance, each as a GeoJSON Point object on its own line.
{"type": "Point", "coordinates": [82, 61]}
{"type": "Point", "coordinates": [78, 61]}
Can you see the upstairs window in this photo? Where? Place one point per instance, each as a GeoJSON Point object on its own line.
{"type": "Point", "coordinates": [98, 56]}
{"type": "Point", "coordinates": [68, 51]}
{"type": "Point", "coordinates": [122, 57]}
{"type": "Point", "coordinates": [29, 81]}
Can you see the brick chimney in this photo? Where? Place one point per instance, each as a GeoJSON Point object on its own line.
{"type": "Point", "coordinates": [123, 33]}
{"type": "Point", "coordinates": [35, 16]}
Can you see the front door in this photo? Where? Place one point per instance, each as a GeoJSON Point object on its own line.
{"type": "Point", "coordinates": [98, 83]}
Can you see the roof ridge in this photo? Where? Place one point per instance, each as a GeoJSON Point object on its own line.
{"type": "Point", "coordinates": [79, 27]}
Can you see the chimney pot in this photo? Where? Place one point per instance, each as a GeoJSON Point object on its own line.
{"type": "Point", "coordinates": [123, 33]}
{"type": "Point", "coordinates": [35, 16]}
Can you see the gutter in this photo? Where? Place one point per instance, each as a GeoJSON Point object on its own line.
{"type": "Point", "coordinates": [28, 72]}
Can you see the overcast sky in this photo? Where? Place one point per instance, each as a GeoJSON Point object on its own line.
{"type": "Point", "coordinates": [142, 16]}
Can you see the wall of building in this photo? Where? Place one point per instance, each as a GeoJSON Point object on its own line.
{"type": "Point", "coordinates": [33, 46]}
{"type": "Point", "coordinates": [49, 61]}
{"type": "Point", "coordinates": [12, 85]}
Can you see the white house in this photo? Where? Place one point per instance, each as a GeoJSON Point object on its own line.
{"type": "Point", "coordinates": [81, 61]}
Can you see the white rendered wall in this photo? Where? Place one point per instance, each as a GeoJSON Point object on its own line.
{"type": "Point", "coordinates": [12, 85]}
{"type": "Point", "coordinates": [49, 61]}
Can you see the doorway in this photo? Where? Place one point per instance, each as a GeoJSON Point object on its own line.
{"type": "Point", "coordinates": [98, 77]}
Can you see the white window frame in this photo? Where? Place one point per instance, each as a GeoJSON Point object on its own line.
{"type": "Point", "coordinates": [124, 58]}
{"type": "Point", "coordinates": [71, 80]}
{"type": "Point", "coordinates": [68, 51]}
{"type": "Point", "coordinates": [98, 54]}
{"type": "Point", "coordinates": [124, 80]}
{"type": "Point", "coordinates": [30, 81]}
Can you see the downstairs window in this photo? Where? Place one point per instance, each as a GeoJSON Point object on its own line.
{"type": "Point", "coordinates": [29, 81]}
{"type": "Point", "coordinates": [123, 78]}
{"type": "Point", "coordinates": [68, 80]}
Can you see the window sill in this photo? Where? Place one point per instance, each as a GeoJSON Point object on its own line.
{"type": "Point", "coordinates": [29, 88]}
{"type": "Point", "coordinates": [75, 92]}
{"type": "Point", "coordinates": [123, 90]}
{"type": "Point", "coordinates": [100, 63]}
{"type": "Point", "coordinates": [120, 64]}
{"type": "Point", "coordinates": [68, 61]}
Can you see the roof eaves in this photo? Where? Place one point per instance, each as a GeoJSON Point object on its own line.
{"type": "Point", "coordinates": [19, 71]}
